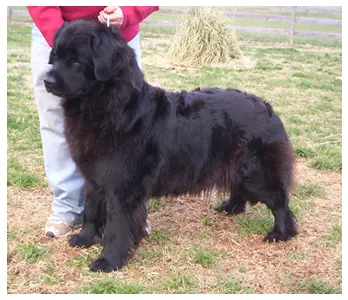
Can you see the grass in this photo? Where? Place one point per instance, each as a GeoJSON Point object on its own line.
{"type": "Point", "coordinates": [12, 233]}
{"type": "Point", "coordinates": [207, 222]}
{"type": "Point", "coordinates": [192, 249]}
{"type": "Point", "coordinates": [156, 204]}
{"type": "Point", "coordinates": [81, 260]}
{"type": "Point", "coordinates": [333, 237]}
{"type": "Point", "coordinates": [181, 284]}
{"type": "Point", "coordinates": [314, 286]}
{"type": "Point", "coordinates": [294, 256]}
{"type": "Point", "coordinates": [231, 285]}
{"type": "Point", "coordinates": [159, 236]}
{"type": "Point", "coordinates": [31, 252]}
{"type": "Point", "coordinates": [258, 220]}
{"type": "Point", "coordinates": [205, 257]}
{"type": "Point", "coordinates": [150, 255]}
{"type": "Point", "coordinates": [51, 280]}
{"type": "Point", "coordinates": [307, 190]}
{"type": "Point", "coordinates": [110, 286]}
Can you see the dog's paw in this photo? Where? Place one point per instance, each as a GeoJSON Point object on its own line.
{"type": "Point", "coordinates": [230, 209]}
{"type": "Point", "coordinates": [104, 265]}
{"type": "Point", "coordinates": [79, 241]}
{"type": "Point", "coordinates": [274, 237]}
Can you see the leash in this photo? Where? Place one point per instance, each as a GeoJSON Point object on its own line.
{"type": "Point", "coordinates": [108, 20]}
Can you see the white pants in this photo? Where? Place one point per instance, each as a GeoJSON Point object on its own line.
{"type": "Point", "coordinates": [61, 172]}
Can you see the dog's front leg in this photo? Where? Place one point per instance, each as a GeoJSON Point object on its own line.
{"type": "Point", "coordinates": [125, 227]}
{"type": "Point", "coordinates": [93, 218]}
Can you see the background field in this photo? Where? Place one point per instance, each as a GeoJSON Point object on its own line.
{"type": "Point", "coordinates": [192, 249]}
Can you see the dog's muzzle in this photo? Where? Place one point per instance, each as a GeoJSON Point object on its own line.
{"type": "Point", "coordinates": [49, 82]}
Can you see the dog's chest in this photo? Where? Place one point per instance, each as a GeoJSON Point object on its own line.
{"type": "Point", "coordinates": [84, 140]}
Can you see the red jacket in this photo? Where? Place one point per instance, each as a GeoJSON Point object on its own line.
{"type": "Point", "coordinates": [49, 18]}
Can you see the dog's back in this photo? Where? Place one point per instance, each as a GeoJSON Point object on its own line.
{"type": "Point", "coordinates": [214, 133]}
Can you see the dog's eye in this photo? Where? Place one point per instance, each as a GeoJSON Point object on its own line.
{"type": "Point", "coordinates": [79, 67]}
{"type": "Point", "coordinates": [53, 57]}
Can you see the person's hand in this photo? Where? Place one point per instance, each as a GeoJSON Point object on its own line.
{"type": "Point", "coordinates": [115, 16]}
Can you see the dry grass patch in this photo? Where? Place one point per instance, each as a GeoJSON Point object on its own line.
{"type": "Point", "coordinates": [202, 39]}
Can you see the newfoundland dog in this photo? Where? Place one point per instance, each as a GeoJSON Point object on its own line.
{"type": "Point", "coordinates": [132, 141]}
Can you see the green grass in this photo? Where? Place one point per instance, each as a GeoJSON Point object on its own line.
{"type": "Point", "coordinates": [316, 286]}
{"type": "Point", "coordinates": [207, 222]}
{"type": "Point", "coordinates": [82, 260]}
{"type": "Point", "coordinates": [110, 286]}
{"type": "Point", "coordinates": [156, 204]}
{"type": "Point", "coordinates": [302, 196]}
{"type": "Point", "coordinates": [31, 252]}
{"type": "Point", "coordinates": [181, 284]}
{"type": "Point", "coordinates": [149, 255]}
{"type": "Point", "coordinates": [305, 190]}
{"type": "Point", "coordinates": [18, 35]}
{"type": "Point", "coordinates": [258, 220]}
{"type": "Point", "coordinates": [304, 152]}
{"type": "Point", "coordinates": [159, 236]}
{"type": "Point", "coordinates": [231, 285]}
{"type": "Point", "coordinates": [12, 233]}
{"type": "Point", "coordinates": [265, 67]}
{"type": "Point", "coordinates": [329, 158]}
{"type": "Point", "coordinates": [333, 237]}
{"type": "Point", "coordinates": [24, 141]}
{"type": "Point", "coordinates": [17, 175]}
{"type": "Point", "coordinates": [205, 257]}
{"type": "Point", "coordinates": [298, 40]}
{"type": "Point", "coordinates": [295, 256]}
{"type": "Point", "coordinates": [50, 280]}
{"type": "Point", "coordinates": [22, 180]}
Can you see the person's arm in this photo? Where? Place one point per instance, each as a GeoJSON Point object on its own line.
{"type": "Point", "coordinates": [48, 20]}
{"type": "Point", "coordinates": [133, 15]}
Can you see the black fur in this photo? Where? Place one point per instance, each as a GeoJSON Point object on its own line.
{"type": "Point", "coordinates": [132, 141]}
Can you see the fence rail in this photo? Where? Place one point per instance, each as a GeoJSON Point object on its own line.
{"type": "Point", "coordinates": [265, 17]}
{"type": "Point", "coordinates": [292, 19]}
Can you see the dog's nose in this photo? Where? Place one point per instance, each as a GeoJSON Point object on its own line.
{"type": "Point", "coordinates": [49, 81]}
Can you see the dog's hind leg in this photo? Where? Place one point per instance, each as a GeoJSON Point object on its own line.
{"type": "Point", "coordinates": [93, 219]}
{"type": "Point", "coordinates": [284, 221]}
{"type": "Point", "coordinates": [269, 181]}
{"type": "Point", "coordinates": [234, 205]}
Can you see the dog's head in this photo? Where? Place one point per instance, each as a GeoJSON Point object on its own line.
{"type": "Point", "coordinates": [85, 54]}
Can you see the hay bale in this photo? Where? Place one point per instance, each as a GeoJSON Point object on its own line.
{"type": "Point", "coordinates": [203, 40]}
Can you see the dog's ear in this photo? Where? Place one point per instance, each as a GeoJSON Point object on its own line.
{"type": "Point", "coordinates": [51, 57]}
{"type": "Point", "coordinates": [52, 53]}
{"type": "Point", "coordinates": [109, 54]}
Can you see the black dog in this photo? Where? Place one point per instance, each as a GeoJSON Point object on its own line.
{"type": "Point", "coordinates": [132, 141]}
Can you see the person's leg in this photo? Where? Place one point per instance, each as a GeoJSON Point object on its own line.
{"type": "Point", "coordinates": [61, 172]}
{"type": "Point", "coordinates": [135, 44]}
